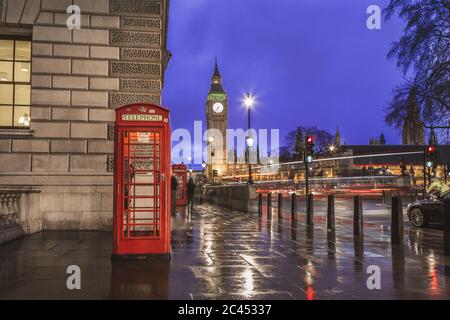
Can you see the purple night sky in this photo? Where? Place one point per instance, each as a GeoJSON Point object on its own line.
{"type": "Point", "coordinates": [309, 62]}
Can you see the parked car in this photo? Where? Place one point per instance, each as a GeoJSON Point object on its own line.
{"type": "Point", "coordinates": [427, 211]}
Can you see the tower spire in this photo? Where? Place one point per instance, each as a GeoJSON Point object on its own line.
{"type": "Point", "coordinates": [337, 139]}
{"type": "Point", "coordinates": [216, 80]}
{"type": "Point", "coordinates": [216, 68]}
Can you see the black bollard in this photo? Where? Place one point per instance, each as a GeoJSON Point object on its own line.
{"type": "Point", "coordinates": [358, 229]}
{"type": "Point", "coordinates": [447, 227]}
{"type": "Point", "coordinates": [280, 205]}
{"type": "Point", "coordinates": [397, 221]}
{"type": "Point", "coordinates": [310, 209]}
{"type": "Point", "coordinates": [260, 204]}
{"type": "Point", "coordinates": [294, 206]}
{"type": "Point", "coordinates": [331, 225]}
{"type": "Point", "coordinates": [269, 205]}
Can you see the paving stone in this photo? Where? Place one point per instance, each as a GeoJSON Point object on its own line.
{"type": "Point", "coordinates": [217, 254]}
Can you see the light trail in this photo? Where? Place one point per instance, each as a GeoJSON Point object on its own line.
{"type": "Point", "coordinates": [330, 159]}
{"type": "Point", "coordinates": [324, 179]}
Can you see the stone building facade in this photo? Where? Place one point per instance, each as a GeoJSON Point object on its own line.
{"type": "Point", "coordinates": [56, 150]}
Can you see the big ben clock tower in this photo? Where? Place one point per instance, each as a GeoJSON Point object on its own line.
{"type": "Point", "coordinates": [217, 118]}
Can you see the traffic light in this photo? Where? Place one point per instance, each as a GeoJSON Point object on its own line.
{"type": "Point", "coordinates": [431, 160]}
{"type": "Point", "coordinates": [309, 155]}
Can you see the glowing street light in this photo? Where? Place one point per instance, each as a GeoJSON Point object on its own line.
{"type": "Point", "coordinates": [250, 141]}
{"type": "Point", "coordinates": [249, 101]}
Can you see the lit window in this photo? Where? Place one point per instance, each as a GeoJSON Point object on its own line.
{"type": "Point", "coordinates": [15, 70]}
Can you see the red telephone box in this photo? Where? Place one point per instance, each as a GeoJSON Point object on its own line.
{"type": "Point", "coordinates": [142, 181]}
{"type": "Point", "coordinates": [179, 171]}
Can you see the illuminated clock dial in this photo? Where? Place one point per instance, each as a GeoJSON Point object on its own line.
{"type": "Point", "coordinates": [218, 107]}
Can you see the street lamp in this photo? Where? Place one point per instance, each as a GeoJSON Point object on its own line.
{"type": "Point", "coordinates": [249, 102]}
{"type": "Point", "coordinates": [204, 173]}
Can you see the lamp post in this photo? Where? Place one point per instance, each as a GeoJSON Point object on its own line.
{"type": "Point", "coordinates": [249, 101]}
{"type": "Point", "coordinates": [250, 142]}
{"type": "Point", "coordinates": [204, 174]}
{"type": "Point", "coordinates": [332, 148]}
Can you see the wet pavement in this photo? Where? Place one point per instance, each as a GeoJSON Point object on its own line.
{"type": "Point", "coordinates": [218, 254]}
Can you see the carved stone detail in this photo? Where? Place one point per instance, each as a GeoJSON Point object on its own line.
{"type": "Point", "coordinates": [135, 38]}
{"type": "Point", "coordinates": [135, 7]}
{"type": "Point", "coordinates": [135, 23]}
{"type": "Point", "coordinates": [1, 10]}
{"type": "Point", "coordinates": [140, 54]}
{"type": "Point", "coordinates": [140, 85]}
{"type": "Point", "coordinates": [134, 69]}
{"type": "Point", "coordinates": [111, 131]}
{"type": "Point", "coordinates": [9, 208]}
{"type": "Point", "coordinates": [121, 99]}
{"type": "Point", "coordinates": [110, 163]}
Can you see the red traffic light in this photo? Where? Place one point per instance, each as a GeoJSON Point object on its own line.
{"type": "Point", "coordinates": [309, 139]}
{"type": "Point", "coordinates": [431, 149]}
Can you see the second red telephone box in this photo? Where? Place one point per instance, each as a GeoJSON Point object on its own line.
{"type": "Point", "coordinates": [179, 171]}
{"type": "Point", "coordinates": [142, 181]}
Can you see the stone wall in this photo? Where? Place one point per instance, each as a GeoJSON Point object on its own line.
{"type": "Point", "coordinates": [78, 78]}
{"type": "Point", "coordinates": [236, 197]}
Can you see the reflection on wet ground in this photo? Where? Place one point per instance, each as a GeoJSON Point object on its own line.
{"type": "Point", "coordinates": [219, 254]}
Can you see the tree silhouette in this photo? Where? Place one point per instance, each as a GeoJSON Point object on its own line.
{"type": "Point", "coordinates": [294, 141]}
{"type": "Point", "coordinates": [422, 53]}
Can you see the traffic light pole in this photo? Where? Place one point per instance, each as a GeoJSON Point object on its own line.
{"type": "Point", "coordinates": [306, 174]}
{"type": "Point", "coordinates": [424, 173]}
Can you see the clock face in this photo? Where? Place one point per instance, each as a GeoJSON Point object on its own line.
{"type": "Point", "coordinates": [217, 107]}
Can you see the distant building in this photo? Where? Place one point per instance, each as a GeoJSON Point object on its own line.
{"type": "Point", "coordinates": [394, 159]}
{"type": "Point", "coordinates": [413, 131]}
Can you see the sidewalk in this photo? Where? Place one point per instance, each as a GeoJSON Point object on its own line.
{"type": "Point", "coordinates": [219, 254]}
